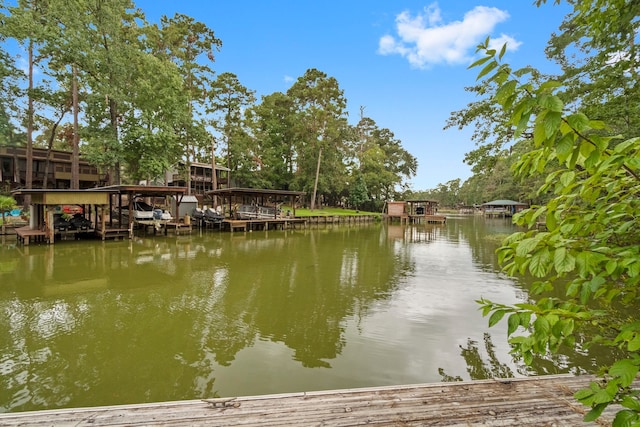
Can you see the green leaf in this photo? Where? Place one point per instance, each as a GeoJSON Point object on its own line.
{"type": "Point", "coordinates": [579, 122]}
{"type": "Point", "coordinates": [526, 246]}
{"type": "Point", "coordinates": [513, 323]}
{"type": "Point", "coordinates": [496, 317]}
{"type": "Point", "coordinates": [563, 261]}
{"type": "Point", "coordinates": [564, 147]}
{"type": "Point", "coordinates": [596, 282]}
{"type": "Point", "coordinates": [625, 418]}
{"type": "Point", "coordinates": [595, 413]}
{"type": "Point", "coordinates": [551, 222]}
{"type": "Point", "coordinates": [502, 51]}
{"type": "Point", "coordinates": [567, 178]}
{"type": "Point", "coordinates": [480, 62]}
{"type": "Point", "coordinates": [549, 84]}
{"type": "Point", "coordinates": [505, 91]}
{"type": "Point", "coordinates": [552, 123]}
{"type": "Point", "coordinates": [633, 269]}
{"type": "Point", "coordinates": [624, 369]}
{"type": "Point", "coordinates": [551, 102]}
{"type": "Point", "coordinates": [634, 344]}
{"type": "Point", "coordinates": [539, 265]}
{"type": "Point", "coordinates": [583, 394]}
{"type": "Point", "coordinates": [631, 403]}
{"type": "Point", "coordinates": [539, 130]}
{"type": "Point", "coordinates": [487, 69]}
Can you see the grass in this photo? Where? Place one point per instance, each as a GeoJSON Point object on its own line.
{"type": "Point", "coordinates": [496, 238]}
{"type": "Point", "coordinates": [327, 211]}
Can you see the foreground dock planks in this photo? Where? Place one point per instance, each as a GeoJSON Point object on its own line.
{"type": "Point", "coordinates": [534, 401]}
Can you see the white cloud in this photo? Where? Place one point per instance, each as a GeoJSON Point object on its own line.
{"type": "Point", "coordinates": [288, 79]}
{"type": "Point", "coordinates": [498, 42]}
{"type": "Point", "coordinates": [426, 40]}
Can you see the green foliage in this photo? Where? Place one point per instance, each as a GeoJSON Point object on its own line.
{"type": "Point", "coordinates": [228, 100]}
{"type": "Point", "coordinates": [358, 193]}
{"type": "Point", "coordinates": [381, 160]}
{"type": "Point", "coordinates": [320, 109]}
{"type": "Point", "coordinates": [149, 102]}
{"type": "Point", "coordinates": [7, 203]}
{"type": "Point", "coordinates": [587, 259]}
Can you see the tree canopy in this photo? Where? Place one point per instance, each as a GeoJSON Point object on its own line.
{"type": "Point", "coordinates": [146, 100]}
{"type": "Point", "coordinates": [586, 259]}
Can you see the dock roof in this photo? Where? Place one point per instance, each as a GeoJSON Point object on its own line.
{"type": "Point", "coordinates": [239, 191]}
{"type": "Point", "coordinates": [504, 203]}
{"type": "Point", "coordinates": [144, 190]}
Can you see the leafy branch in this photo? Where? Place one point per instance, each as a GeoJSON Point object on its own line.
{"type": "Point", "coordinates": [589, 246]}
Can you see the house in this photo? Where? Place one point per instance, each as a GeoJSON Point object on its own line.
{"type": "Point", "coordinates": [201, 178]}
{"type": "Point", "coordinates": [502, 208]}
{"type": "Point", "coordinates": [13, 169]}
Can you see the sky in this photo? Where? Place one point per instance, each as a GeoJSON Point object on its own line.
{"type": "Point", "coordinates": [404, 62]}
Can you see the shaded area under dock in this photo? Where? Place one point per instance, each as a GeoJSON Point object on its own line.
{"type": "Point", "coordinates": [533, 401]}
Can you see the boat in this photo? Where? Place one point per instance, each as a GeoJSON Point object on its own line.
{"type": "Point", "coordinates": [197, 214]}
{"type": "Point", "coordinates": [141, 210]}
{"type": "Point", "coordinates": [256, 212]}
{"type": "Point", "coordinates": [67, 222]}
{"type": "Point", "coordinates": [211, 216]}
{"type": "Point", "coordinates": [162, 215]}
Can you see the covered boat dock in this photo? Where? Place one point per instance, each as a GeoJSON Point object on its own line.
{"type": "Point", "coordinates": [47, 208]}
{"type": "Point", "coordinates": [99, 211]}
{"type": "Point", "coordinates": [502, 208]}
{"type": "Point", "coordinates": [256, 208]}
{"type": "Point", "coordinates": [414, 211]}
{"type": "Point", "coordinates": [126, 195]}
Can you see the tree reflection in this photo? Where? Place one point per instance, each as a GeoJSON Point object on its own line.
{"type": "Point", "coordinates": [479, 366]}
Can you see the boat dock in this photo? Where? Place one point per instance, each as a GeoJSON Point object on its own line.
{"type": "Point", "coordinates": [532, 401]}
{"type": "Point", "coordinates": [261, 224]}
{"type": "Point", "coordinates": [26, 235]}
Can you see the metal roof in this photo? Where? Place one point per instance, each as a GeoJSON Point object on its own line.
{"type": "Point", "coordinates": [504, 203]}
{"type": "Point", "coordinates": [253, 191]}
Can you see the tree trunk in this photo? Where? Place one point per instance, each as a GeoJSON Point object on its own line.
{"type": "Point", "coordinates": [228, 162]}
{"type": "Point", "coordinates": [113, 111]}
{"type": "Point", "coordinates": [214, 178]}
{"type": "Point", "coordinates": [29, 165]}
{"type": "Point", "coordinates": [315, 184]}
{"type": "Point", "coordinates": [47, 163]}
{"type": "Point", "coordinates": [75, 161]}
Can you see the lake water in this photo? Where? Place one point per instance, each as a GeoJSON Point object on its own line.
{"type": "Point", "coordinates": [216, 314]}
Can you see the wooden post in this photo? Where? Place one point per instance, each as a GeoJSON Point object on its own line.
{"type": "Point", "coordinates": [49, 224]}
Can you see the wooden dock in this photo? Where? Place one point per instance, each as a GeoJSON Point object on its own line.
{"type": "Point", "coordinates": [428, 219]}
{"type": "Point", "coordinates": [261, 224]}
{"type": "Point", "coordinates": [26, 235]}
{"type": "Point", "coordinates": [533, 401]}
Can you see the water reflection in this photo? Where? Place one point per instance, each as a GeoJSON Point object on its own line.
{"type": "Point", "coordinates": [223, 314]}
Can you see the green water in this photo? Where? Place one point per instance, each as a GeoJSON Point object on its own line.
{"type": "Point", "coordinates": [214, 314]}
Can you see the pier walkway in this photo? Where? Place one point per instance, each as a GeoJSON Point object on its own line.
{"type": "Point", "coordinates": [533, 401]}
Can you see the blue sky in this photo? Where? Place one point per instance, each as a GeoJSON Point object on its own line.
{"type": "Point", "coordinates": [404, 61]}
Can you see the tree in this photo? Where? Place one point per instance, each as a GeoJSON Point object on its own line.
{"type": "Point", "coordinates": [587, 261]}
{"type": "Point", "coordinates": [382, 161]}
{"type": "Point", "coordinates": [190, 45]}
{"type": "Point", "coordinates": [228, 99]}
{"type": "Point", "coordinates": [358, 193]}
{"type": "Point", "coordinates": [272, 124]}
{"type": "Point", "coordinates": [596, 50]}
{"type": "Point", "coordinates": [320, 106]}
{"type": "Point", "coordinates": [6, 204]}
{"type": "Point", "coordinates": [27, 24]}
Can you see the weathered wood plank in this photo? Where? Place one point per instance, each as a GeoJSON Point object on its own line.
{"type": "Point", "coordinates": [535, 401]}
